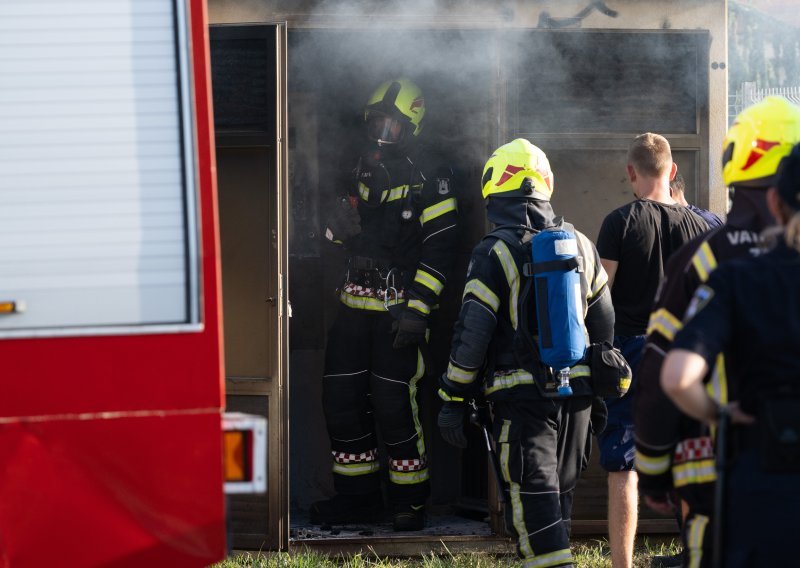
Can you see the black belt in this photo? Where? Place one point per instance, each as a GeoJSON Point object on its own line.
{"type": "Point", "coordinates": [369, 263]}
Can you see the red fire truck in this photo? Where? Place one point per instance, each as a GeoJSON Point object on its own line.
{"type": "Point", "coordinates": [111, 423]}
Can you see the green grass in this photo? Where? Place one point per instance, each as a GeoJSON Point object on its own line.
{"type": "Point", "coordinates": [588, 554]}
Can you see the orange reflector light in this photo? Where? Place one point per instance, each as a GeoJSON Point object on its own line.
{"type": "Point", "coordinates": [235, 456]}
{"type": "Point", "coordinates": [244, 452]}
{"type": "Point", "coordinates": [7, 308]}
{"type": "Point", "coordinates": [12, 306]}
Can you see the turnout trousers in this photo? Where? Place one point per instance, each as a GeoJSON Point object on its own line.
{"type": "Point", "coordinates": [367, 383]}
{"type": "Point", "coordinates": [694, 479]}
{"type": "Point", "coordinates": [543, 448]}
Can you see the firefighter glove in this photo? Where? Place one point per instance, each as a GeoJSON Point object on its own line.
{"type": "Point", "coordinates": [344, 222]}
{"type": "Point", "coordinates": [599, 416]}
{"type": "Point", "coordinates": [411, 329]}
{"type": "Point", "coordinates": [451, 423]}
{"type": "Point", "coordinates": [665, 503]}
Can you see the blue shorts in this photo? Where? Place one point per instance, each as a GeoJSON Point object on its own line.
{"type": "Point", "coordinates": [616, 441]}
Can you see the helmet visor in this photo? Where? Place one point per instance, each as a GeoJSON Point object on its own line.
{"type": "Point", "coordinates": [385, 129]}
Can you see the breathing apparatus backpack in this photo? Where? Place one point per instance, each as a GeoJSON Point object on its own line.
{"type": "Point", "coordinates": [554, 267]}
{"type": "Point", "coordinates": [554, 274]}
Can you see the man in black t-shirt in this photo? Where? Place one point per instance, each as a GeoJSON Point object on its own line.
{"type": "Point", "coordinates": [635, 242]}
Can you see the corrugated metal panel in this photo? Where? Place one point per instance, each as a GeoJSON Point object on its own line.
{"type": "Point", "coordinates": [93, 171]}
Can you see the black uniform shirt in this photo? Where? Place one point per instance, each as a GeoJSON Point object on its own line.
{"type": "Point", "coordinates": [658, 424]}
{"type": "Point", "coordinates": [411, 225]}
{"type": "Point", "coordinates": [750, 310]}
{"type": "Point", "coordinates": [641, 236]}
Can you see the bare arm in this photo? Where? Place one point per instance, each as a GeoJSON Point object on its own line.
{"type": "Point", "coordinates": [682, 381]}
{"type": "Point", "coordinates": [610, 267]}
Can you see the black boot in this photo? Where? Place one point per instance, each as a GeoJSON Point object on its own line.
{"type": "Point", "coordinates": [347, 509]}
{"type": "Point", "coordinates": [409, 517]}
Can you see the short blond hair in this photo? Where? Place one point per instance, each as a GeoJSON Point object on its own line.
{"type": "Point", "coordinates": [650, 154]}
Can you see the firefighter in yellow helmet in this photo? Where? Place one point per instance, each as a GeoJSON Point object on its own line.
{"type": "Point", "coordinates": [540, 434]}
{"type": "Point", "coordinates": [397, 221]}
{"type": "Point", "coordinates": [394, 113]}
{"type": "Point", "coordinates": [674, 453]}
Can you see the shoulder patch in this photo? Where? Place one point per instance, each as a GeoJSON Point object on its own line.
{"type": "Point", "coordinates": [702, 296]}
{"type": "Point", "coordinates": [443, 186]}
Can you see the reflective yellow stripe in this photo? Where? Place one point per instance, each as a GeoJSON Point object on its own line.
{"type": "Point", "coordinates": [555, 558]}
{"type": "Point", "coordinates": [664, 323]}
{"type": "Point", "coordinates": [652, 465]}
{"type": "Point", "coordinates": [448, 398]}
{"type": "Point", "coordinates": [364, 302]}
{"type": "Point", "coordinates": [434, 211]}
{"type": "Point", "coordinates": [598, 280]}
{"type": "Point", "coordinates": [354, 469]}
{"type": "Point", "coordinates": [408, 477]}
{"type": "Point", "coordinates": [701, 471]}
{"type": "Point", "coordinates": [717, 386]}
{"type": "Point", "coordinates": [512, 277]}
{"type": "Point", "coordinates": [459, 375]}
{"type": "Point", "coordinates": [420, 306]}
{"type": "Point", "coordinates": [396, 193]}
{"type": "Point", "coordinates": [393, 194]}
{"type": "Point", "coordinates": [518, 377]}
{"type": "Point", "coordinates": [580, 371]}
{"type": "Point", "coordinates": [704, 261]}
{"type": "Point", "coordinates": [598, 283]}
{"type": "Point", "coordinates": [694, 537]}
{"type": "Point", "coordinates": [517, 514]}
{"type": "Point", "coordinates": [521, 377]}
{"type": "Point", "coordinates": [429, 281]}
{"type": "Point", "coordinates": [483, 293]}
{"type": "Point", "coordinates": [363, 191]}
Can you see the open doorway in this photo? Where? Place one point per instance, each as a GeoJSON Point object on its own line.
{"type": "Point", "coordinates": [326, 134]}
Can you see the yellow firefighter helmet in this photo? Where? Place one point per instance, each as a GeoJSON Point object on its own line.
{"type": "Point", "coordinates": [761, 136]}
{"type": "Point", "coordinates": [394, 111]}
{"type": "Point", "coordinates": [511, 165]}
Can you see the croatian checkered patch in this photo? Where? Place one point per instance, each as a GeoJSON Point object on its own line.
{"type": "Point", "coordinates": [361, 291]}
{"type": "Point", "coordinates": [694, 449]}
{"type": "Point", "coordinates": [344, 457]}
{"type": "Point", "coordinates": [365, 292]}
{"type": "Point", "coordinates": [407, 465]}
